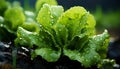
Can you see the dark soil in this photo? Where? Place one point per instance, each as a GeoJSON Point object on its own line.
{"type": "Point", "coordinates": [24, 61]}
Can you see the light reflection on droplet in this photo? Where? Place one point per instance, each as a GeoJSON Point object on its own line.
{"type": "Point", "coordinates": [51, 16]}
{"type": "Point", "coordinates": [1, 25]}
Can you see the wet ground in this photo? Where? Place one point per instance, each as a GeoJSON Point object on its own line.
{"type": "Point", "coordinates": [24, 61]}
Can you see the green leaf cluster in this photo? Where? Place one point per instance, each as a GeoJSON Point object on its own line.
{"type": "Point", "coordinates": [107, 19]}
{"type": "Point", "coordinates": [3, 6]}
{"type": "Point", "coordinates": [13, 17]}
{"type": "Point", "coordinates": [56, 32]}
{"type": "Point", "coordinates": [70, 33]}
{"type": "Point", "coordinates": [40, 3]}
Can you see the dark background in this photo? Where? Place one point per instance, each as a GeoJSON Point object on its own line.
{"type": "Point", "coordinates": [90, 5]}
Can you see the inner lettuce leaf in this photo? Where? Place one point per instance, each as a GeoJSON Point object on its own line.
{"type": "Point", "coordinates": [74, 22]}
{"type": "Point", "coordinates": [39, 4]}
{"type": "Point", "coordinates": [48, 16]}
{"type": "Point", "coordinates": [70, 33]}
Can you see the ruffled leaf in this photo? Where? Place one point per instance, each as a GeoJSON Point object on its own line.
{"type": "Point", "coordinates": [90, 53]}
{"type": "Point", "coordinates": [48, 15]}
{"type": "Point", "coordinates": [48, 54]}
{"type": "Point", "coordinates": [14, 17]}
{"type": "Point", "coordinates": [40, 3]}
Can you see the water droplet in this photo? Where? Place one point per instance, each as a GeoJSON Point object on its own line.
{"type": "Point", "coordinates": [49, 13]}
{"type": "Point", "coordinates": [52, 22]}
{"type": "Point", "coordinates": [1, 25]}
{"type": "Point", "coordinates": [51, 16]}
{"type": "Point", "coordinates": [20, 38]}
{"type": "Point", "coordinates": [59, 30]}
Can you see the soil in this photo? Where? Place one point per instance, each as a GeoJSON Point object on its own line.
{"type": "Point", "coordinates": [24, 61]}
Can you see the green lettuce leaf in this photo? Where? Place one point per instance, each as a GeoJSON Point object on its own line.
{"type": "Point", "coordinates": [27, 38]}
{"type": "Point", "coordinates": [31, 26]}
{"type": "Point", "coordinates": [78, 22]}
{"type": "Point", "coordinates": [90, 53]}
{"type": "Point", "coordinates": [40, 3]}
{"type": "Point", "coordinates": [48, 15]}
{"type": "Point", "coordinates": [3, 6]}
{"type": "Point", "coordinates": [41, 35]}
{"type": "Point", "coordinates": [42, 40]}
{"type": "Point", "coordinates": [70, 33]}
{"type": "Point", "coordinates": [14, 17]}
{"type": "Point", "coordinates": [48, 54]}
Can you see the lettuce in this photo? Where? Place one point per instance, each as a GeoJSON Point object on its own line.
{"type": "Point", "coordinates": [3, 6]}
{"type": "Point", "coordinates": [14, 17]}
{"type": "Point", "coordinates": [87, 54]}
{"type": "Point", "coordinates": [70, 33]}
{"type": "Point", "coordinates": [40, 3]}
{"type": "Point", "coordinates": [44, 37]}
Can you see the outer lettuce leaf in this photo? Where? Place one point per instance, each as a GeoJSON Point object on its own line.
{"type": "Point", "coordinates": [14, 17]}
{"type": "Point", "coordinates": [3, 6]}
{"type": "Point", "coordinates": [27, 38]}
{"type": "Point", "coordinates": [48, 54]}
{"type": "Point", "coordinates": [89, 54]}
{"type": "Point", "coordinates": [44, 42]}
{"type": "Point", "coordinates": [42, 36]}
{"type": "Point", "coordinates": [31, 26]}
{"type": "Point", "coordinates": [40, 3]}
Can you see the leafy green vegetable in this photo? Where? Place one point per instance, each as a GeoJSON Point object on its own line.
{"type": "Point", "coordinates": [43, 38]}
{"type": "Point", "coordinates": [70, 33]}
{"type": "Point", "coordinates": [3, 6]}
{"type": "Point", "coordinates": [14, 17]}
{"type": "Point", "coordinates": [88, 54]}
{"type": "Point", "coordinates": [48, 15]}
{"type": "Point", "coordinates": [27, 38]}
{"type": "Point", "coordinates": [52, 54]}
{"type": "Point", "coordinates": [107, 20]}
{"type": "Point", "coordinates": [56, 32]}
{"type": "Point", "coordinates": [40, 3]}
{"type": "Point", "coordinates": [106, 64]}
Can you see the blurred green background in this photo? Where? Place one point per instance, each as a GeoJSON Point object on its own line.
{"type": "Point", "coordinates": [106, 12]}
